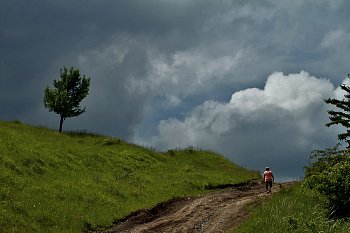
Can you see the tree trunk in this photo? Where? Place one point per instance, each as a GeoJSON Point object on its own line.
{"type": "Point", "coordinates": [61, 123]}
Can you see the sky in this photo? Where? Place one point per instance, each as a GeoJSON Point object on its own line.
{"type": "Point", "coordinates": [246, 79]}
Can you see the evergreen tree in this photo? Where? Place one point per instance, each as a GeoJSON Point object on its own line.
{"type": "Point", "coordinates": [64, 98]}
{"type": "Point", "coordinates": [341, 117]}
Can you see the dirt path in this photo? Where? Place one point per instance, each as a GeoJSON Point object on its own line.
{"type": "Point", "coordinates": [220, 211]}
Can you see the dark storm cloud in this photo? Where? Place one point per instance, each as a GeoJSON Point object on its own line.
{"type": "Point", "coordinates": [40, 37]}
{"type": "Point", "coordinates": [154, 60]}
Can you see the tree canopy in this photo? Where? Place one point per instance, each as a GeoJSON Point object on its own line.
{"type": "Point", "coordinates": [67, 93]}
{"type": "Point", "coordinates": [328, 172]}
{"type": "Point", "coordinates": [341, 116]}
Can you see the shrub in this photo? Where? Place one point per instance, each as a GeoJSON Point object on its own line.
{"type": "Point", "coordinates": [111, 141]}
{"type": "Point", "coordinates": [190, 149]}
{"type": "Point", "coordinates": [171, 152]}
{"type": "Point", "coordinates": [329, 175]}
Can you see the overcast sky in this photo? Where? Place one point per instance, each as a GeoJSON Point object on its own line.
{"type": "Point", "coordinates": [243, 78]}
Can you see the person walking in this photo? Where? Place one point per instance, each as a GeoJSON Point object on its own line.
{"type": "Point", "coordinates": [268, 179]}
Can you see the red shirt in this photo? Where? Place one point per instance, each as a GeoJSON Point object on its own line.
{"type": "Point", "coordinates": [268, 176]}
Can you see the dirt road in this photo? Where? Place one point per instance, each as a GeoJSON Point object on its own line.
{"type": "Point", "coordinates": [219, 211]}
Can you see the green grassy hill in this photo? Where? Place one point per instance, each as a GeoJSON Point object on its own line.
{"type": "Point", "coordinates": [53, 182]}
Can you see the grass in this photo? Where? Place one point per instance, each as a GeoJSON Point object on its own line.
{"type": "Point", "coordinates": [73, 182]}
{"type": "Point", "coordinates": [293, 210]}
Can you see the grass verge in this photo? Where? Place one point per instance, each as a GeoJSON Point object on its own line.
{"type": "Point", "coordinates": [72, 182]}
{"type": "Point", "coordinates": [292, 210]}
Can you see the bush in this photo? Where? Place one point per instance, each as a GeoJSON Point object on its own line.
{"type": "Point", "coordinates": [111, 141]}
{"type": "Point", "coordinates": [171, 152]}
{"type": "Point", "coordinates": [329, 175]}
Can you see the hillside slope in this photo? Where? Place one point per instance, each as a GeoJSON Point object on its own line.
{"type": "Point", "coordinates": [74, 182]}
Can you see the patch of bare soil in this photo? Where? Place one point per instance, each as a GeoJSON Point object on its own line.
{"type": "Point", "coordinates": [219, 211]}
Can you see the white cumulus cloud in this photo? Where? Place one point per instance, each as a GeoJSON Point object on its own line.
{"type": "Point", "coordinates": [277, 125]}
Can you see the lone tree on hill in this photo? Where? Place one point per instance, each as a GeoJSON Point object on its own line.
{"type": "Point", "coordinates": [341, 117]}
{"type": "Point", "coordinates": [65, 97]}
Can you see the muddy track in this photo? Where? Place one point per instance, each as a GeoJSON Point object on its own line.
{"type": "Point", "coordinates": [219, 211]}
